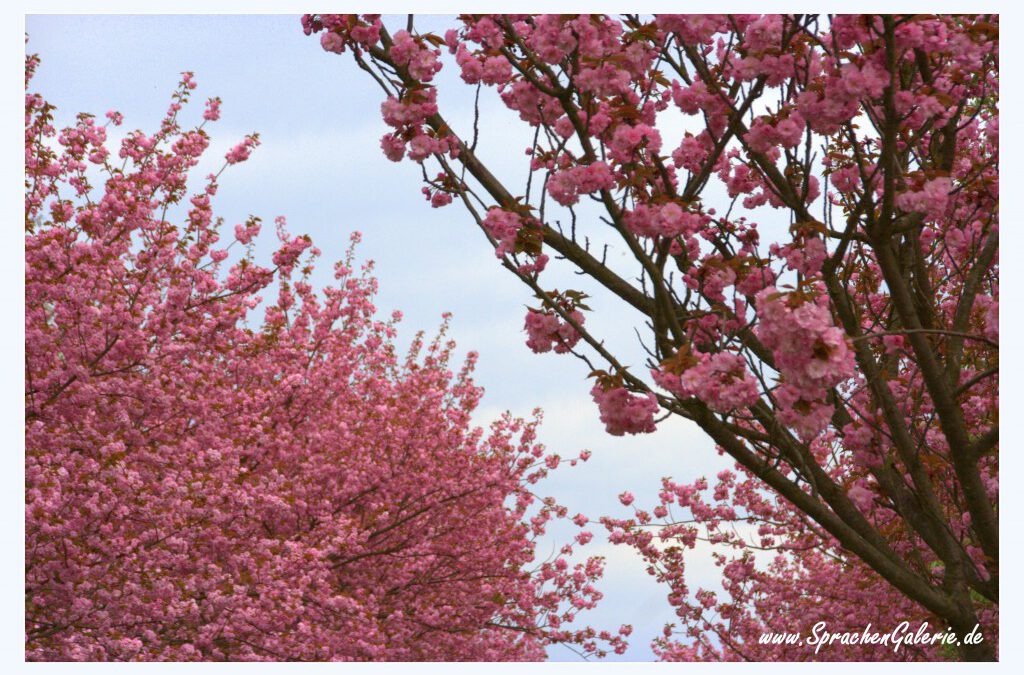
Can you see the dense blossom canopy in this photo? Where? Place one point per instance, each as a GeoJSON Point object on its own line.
{"type": "Point", "coordinates": [199, 488]}
{"type": "Point", "coordinates": [805, 215]}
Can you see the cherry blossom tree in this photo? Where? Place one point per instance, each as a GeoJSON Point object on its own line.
{"type": "Point", "coordinates": [200, 488]}
{"type": "Point", "coordinates": [804, 212]}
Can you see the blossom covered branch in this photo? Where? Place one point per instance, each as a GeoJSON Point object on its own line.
{"type": "Point", "coordinates": [847, 361]}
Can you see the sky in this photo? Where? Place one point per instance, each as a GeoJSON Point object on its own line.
{"type": "Point", "coordinates": [320, 165]}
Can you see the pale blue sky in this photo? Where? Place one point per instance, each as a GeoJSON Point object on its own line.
{"type": "Point", "coordinates": [320, 165]}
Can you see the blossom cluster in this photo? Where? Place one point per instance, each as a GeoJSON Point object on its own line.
{"type": "Point", "coordinates": [721, 380]}
{"type": "Point", "coordinates": [625, 413]}
{"type": "Point", "coordinates": [546, 331]}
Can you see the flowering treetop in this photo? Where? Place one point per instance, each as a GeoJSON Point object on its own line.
{"type": "Point", "coordinates": [199, 488]}
{"type": "Point", "coordinates": [847, 362]}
